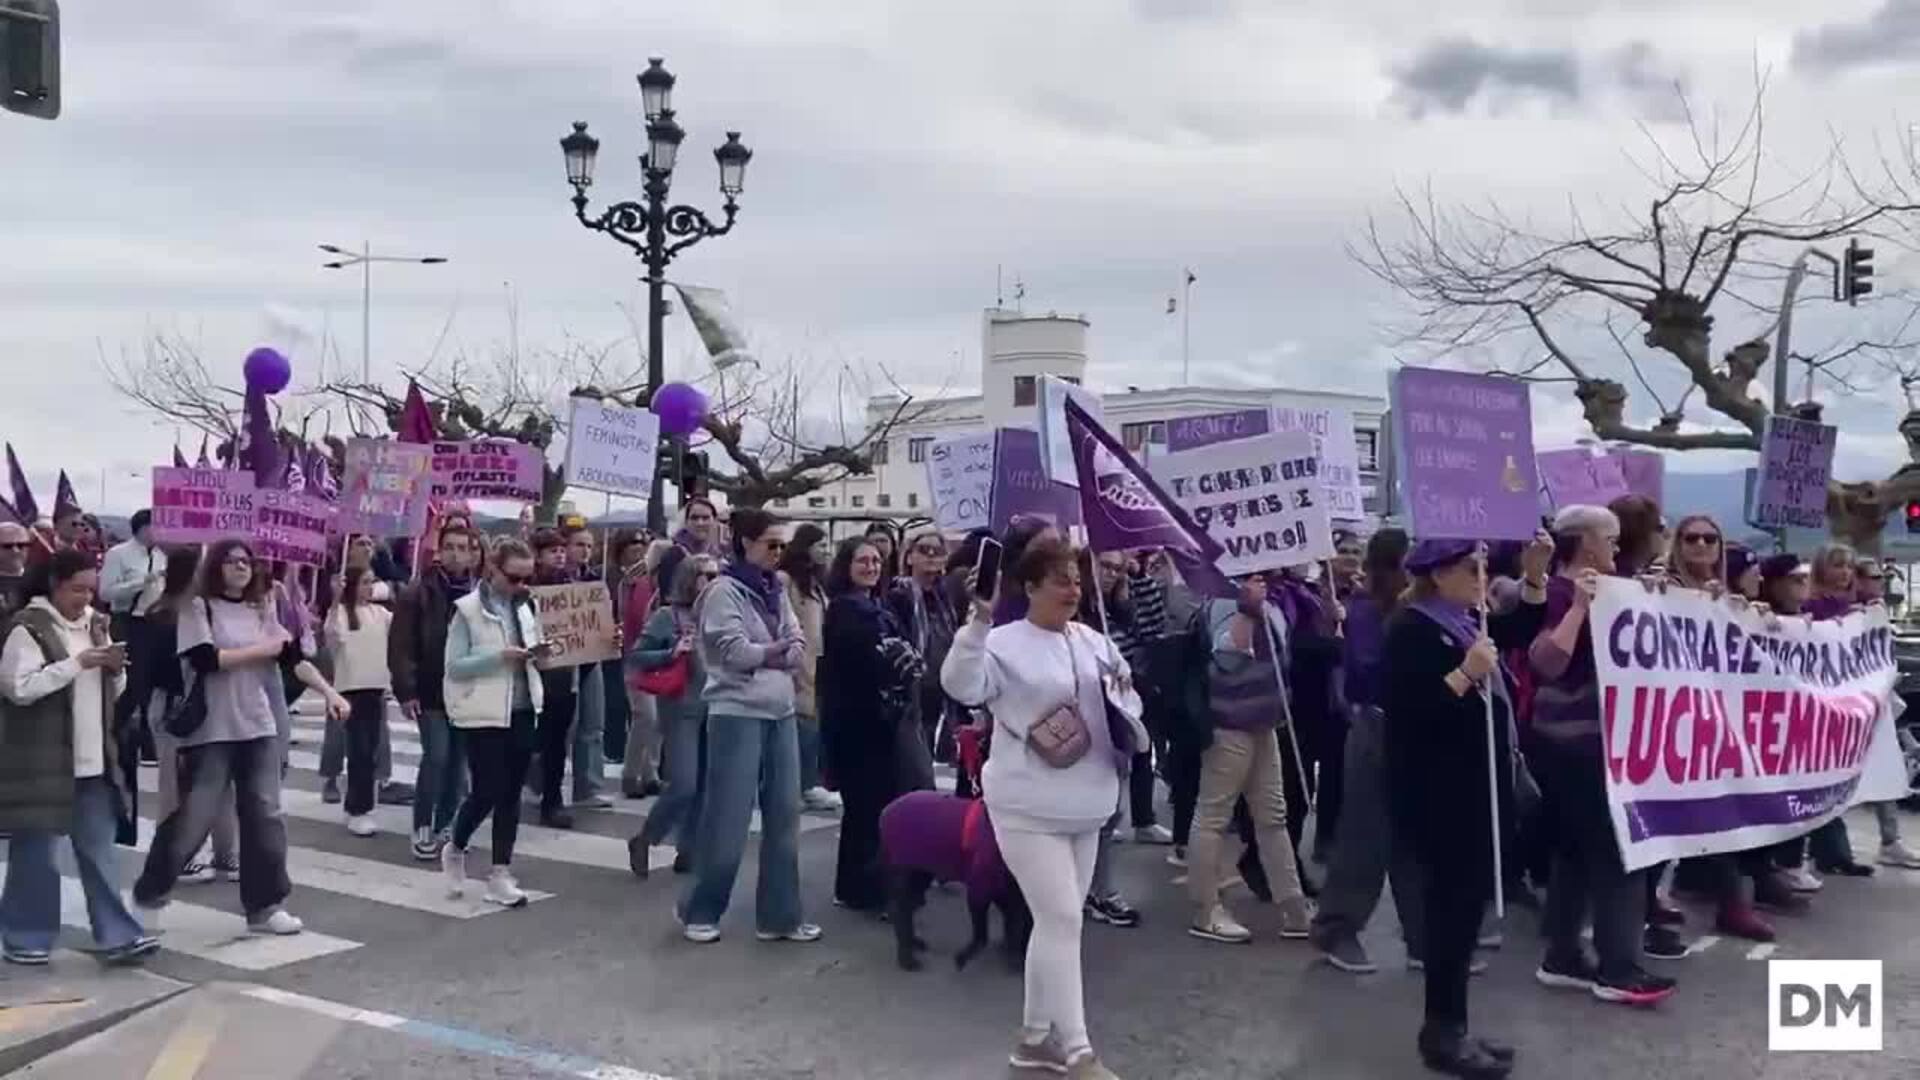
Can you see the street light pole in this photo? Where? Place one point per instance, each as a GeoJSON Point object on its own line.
{"type": "Point", "coordinates": [364, 259]}
{"type": "Point", "coordinates": [654, 230]}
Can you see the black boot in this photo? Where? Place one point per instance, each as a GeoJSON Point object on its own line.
{"type": "Point", "coordinates": [1452, 1051]}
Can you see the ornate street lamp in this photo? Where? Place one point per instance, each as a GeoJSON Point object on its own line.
{"type": "Point", "coordinates": [653, 230]}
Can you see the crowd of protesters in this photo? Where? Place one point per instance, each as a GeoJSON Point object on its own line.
{"type": "Point", "coordinates": [774, 671]}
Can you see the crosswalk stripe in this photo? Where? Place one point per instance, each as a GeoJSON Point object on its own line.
{"type": "Point", "coordinates": [212, 934]}
{"type": "Point", "coordinates": [371, 879]}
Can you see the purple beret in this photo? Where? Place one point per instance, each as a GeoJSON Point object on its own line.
{"type": "Point", "coordinates": [1431, 555]}
{"type": "Point", "coordinates": [1739, 561]}
{"type": "Point", "coordinates": [1782, 565]}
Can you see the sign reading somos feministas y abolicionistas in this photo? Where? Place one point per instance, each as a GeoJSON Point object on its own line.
{"type": "Point", "coordinates": [1728, 732]}
{"type": "Point", "coordinates": [1262, 499]}
{"type": "Point", "coordinates": [1796, 461]}
{"type": "Point", "coordinates": [611, 448]}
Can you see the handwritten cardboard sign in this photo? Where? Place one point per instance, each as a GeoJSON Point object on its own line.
{"type": "Point", "coordinates": [488, 469]}
{"type": "Point", "coordinates": [292, 526]}
{"type": "Point", "coordinates": [1796, 461]}
{"type": "Point", "coordinates": [578, 617]}
{"type": "Point", "coordinates": [387, 487]}
{"type": "Point", "coordinates": [1262, 499]}
{"type": "Point", "coordinates": [201, 506]}
{"type": "Point", "coordinates": [960, 477]}
{"type": "Point", "coordinates": [611, 448]}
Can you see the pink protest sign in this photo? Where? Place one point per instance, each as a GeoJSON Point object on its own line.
{"type": "Point", "coordinates": [201, 506]}
{"type": "Point", "coordinates": [386, 488]}
{"type": "Point", "coordinates": [292, 527]}
{"type": "Point", "coordinates": [488, 469]}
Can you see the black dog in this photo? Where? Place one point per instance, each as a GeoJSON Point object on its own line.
{"type": "Point", "coordinates": [925, 837]}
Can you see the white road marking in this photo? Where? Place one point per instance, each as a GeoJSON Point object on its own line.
{"type": "Point", "coordinates": [1761, 951]}
{"type": "Point", "coordinates": [1702, 944]}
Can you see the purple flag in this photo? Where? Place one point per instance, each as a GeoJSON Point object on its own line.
{"type": "Point", "coordinates": [295, 476]}
{"type": "Point", "coordinates": [1124, 508]}
{"type": "Point", "coordinates": [205, 462]}
{"type": "Point", "coordinates": [23, 501]}
{"type": "Point", "coordinates": [65, 502]}
{"type": "Point", "coordinates": [259, 449]}
{"type": "Point", "coordinates": [179, 459]}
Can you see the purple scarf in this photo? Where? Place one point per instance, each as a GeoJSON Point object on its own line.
{"type": "Point", "coordinates": [763, 586]}
{"type": "Point", "coordinates": [1460, 622]}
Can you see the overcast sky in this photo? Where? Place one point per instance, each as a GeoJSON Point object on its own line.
{"type": "Point", "coordinates": [901, 152]}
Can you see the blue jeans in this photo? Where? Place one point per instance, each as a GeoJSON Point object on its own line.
{"type": "Point", "coordinates": [30, 908]}
{"type": "Point", "coordinates": [748, 757]}
{"type": "Point", "coordinates": [678, 809]}
{"type": "Point", "coordinates": [442, 779]}
{"type": "Point", "coordinates": [809, 733]}
{"type": "Point", "coordinates": [589, 735]}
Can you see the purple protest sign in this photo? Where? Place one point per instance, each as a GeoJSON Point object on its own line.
{"type": "Point", "coordinates": [386, 488]}
{"type": "Point", "coordinates": [1020, 484]}
{"type": "Point", "coordinates": [1465, 444]}
{"type": "Point", "coordinates": [1194, 432]}
{"type": "Point", "coordinates": [1577, 478]}
{"type": "Point", "coordinates": [1645, 471]}
{"type": "Point", "coordinates": [488, 469]}
{"type": "Point", "coordinates": [292, 526]}
{"type": "Point", "coordinates": [201, 506]}
{"type": "Point", "coordinates": [1796, 461]}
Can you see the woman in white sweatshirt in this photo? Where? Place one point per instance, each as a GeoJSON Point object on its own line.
{"type": "Point", "coordinates": [357, 634]}
{"type": "Point", "coordinates": [1047, 818]}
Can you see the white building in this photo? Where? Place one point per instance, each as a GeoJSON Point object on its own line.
{"type": "Point", "coordinates": [1015, 350]}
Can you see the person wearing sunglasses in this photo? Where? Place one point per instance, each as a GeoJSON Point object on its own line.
{"type": "Point", "coordinates": [493, 698]}
{"type": "Point", "coordinates": [14, 541]}
{"type": "Point", "coordinates": [920, 602]}
{"type": "Point", "coordinates": [668, 639]}
{"type": "Point", "coordinates": [750, 643]}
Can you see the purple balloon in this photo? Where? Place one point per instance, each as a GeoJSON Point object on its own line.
{"type": "Point", "coordinates": [268, 370]}
{"type": "Point", "coordinates": [681, 408]}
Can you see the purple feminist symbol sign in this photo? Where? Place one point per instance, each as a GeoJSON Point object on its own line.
{"type": "Point", "coordinates": [1466, 455]}
{"type": "Point", "coordinates": [1021, 488]}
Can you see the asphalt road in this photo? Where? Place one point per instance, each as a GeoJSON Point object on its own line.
{"type": "Point", "coordinates": [593, 980]}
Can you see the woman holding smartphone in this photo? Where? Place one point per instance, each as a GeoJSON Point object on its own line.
{"type": "Point", "coordinates": [669, 638]}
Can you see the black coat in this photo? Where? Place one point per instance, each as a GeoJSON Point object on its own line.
{"type": "Point", "coordinates": [1437, 741]}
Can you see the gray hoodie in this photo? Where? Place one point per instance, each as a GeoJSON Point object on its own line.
{"type": "Point", "coordinates": [735, 647]}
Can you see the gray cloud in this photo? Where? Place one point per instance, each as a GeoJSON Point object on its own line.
{"type": "Point", "coordinates": [1183, 10]}
{"type": "Point", "coordinates": [1451, 74]}
{"type": "Point", "coordinates": [1890, 35]}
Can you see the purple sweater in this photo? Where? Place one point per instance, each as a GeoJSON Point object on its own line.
{"type": "Point", "coordinates": [948, 837]}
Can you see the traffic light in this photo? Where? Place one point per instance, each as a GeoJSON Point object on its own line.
{"type": "Point", "coordinates": [1913, 515]}
{"type": "Point", "coordinates": [30, 57]}
{"type": "Point", "coordinates": [693, 474]}
{"type": "Point", "coordinates": [1856, 272]}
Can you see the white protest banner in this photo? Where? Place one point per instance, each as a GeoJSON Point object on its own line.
{"type": "Point", "coordinates": [1726, 732]}
{"type": "Point", "coordinates": [1056, 450]}
{"type": "Point", "coordinates": [1333, 440]}
{"type": "Point", "coordinates": [578, 618]}
{"type": "Point", "coordinates": [611, 448]}
{"type": "Point", "coordinates": [960, 478]}
{"type": "Point", "coordinates": [1262, 499]}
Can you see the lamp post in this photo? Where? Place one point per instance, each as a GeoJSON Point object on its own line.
{"type": "Point", "coordinates": [655, 231]}
{"type": "Point", "coordinates": [364, 259]}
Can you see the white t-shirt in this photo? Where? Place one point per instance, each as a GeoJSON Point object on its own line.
{"type": "Point", "coordinates": [1020, 672]}
{"type": "Point", "coordinates": [360, 656]}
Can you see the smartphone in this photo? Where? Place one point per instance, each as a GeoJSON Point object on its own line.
{"type": "Point", "coordinates": [987, 569]}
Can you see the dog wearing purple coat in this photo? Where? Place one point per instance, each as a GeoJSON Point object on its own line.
{"type": "Point", "coordinates": [928, 836]}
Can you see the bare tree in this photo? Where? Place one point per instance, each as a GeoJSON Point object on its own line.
{"type": "Point", "coordinates": [1717, 238]}
{"type": "Point", "coordinates": [775, 446]}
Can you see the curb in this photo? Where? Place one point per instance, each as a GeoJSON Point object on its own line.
{"type": "Point", "coordinates": [20, 1056]}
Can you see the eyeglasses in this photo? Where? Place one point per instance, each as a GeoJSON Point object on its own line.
{"type": "Point", "coordinates": [775, 545]}
{"type": "Point", "coordinates": [239, 560]}
{"type": "Point", "coordinates": [21, 546]}
{"type": "Point", "coordinates": [1700, 538]}
{"type": "Point", "coordinates": [518, 580]}
{"type": "Point", "coordinates": [926, 549]}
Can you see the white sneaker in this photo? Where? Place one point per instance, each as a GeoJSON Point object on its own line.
{"type": "Point", "coordinates": [1899, 855]}
{"type": "Point", "coordinates": [199, 873]}
{"type": "Point", "coordinates": [701, 933]}
{"type": "Point", "coordinates": [361, 825]}
{"type": "Point", "coordinates": [1218, 925]}
{"type": "Point", "coordinates": [1801, 879]}
{"type": "Point", "coordinates": [503, 890]}
{"type": "Point", "coordinates": [819, 799]}
{"type": "Point", "coordinates": [278, 921]}
{"type": "Point", "coordinates": [453, 864]}
{"type": "Point", "coordinates": [1153, 834]}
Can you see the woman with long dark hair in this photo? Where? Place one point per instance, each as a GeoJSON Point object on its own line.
{"type": "Point", "coordinates": [868, 672]}
{"type": "Point", "coordinates": [59, 677]}
{"type": "Point", "coordinates": [669, 637]}
{"type": "Point", "coordinates": [356, 632]}
{"type": "Point", "coordinates": [882, 537]}
{"type": "Point", "coordinates": [803, 575]}
{"type": "Point", "coordinates": [235, 645]}
{"type": "Point", "coordinates": [169, 686]}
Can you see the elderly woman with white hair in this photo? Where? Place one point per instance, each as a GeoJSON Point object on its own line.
{"type": "Point", "coordinates": [1588, 876]}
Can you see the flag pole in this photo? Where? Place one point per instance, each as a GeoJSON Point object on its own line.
{"type": "Point", "coordinates": [1293, 739]}
{"type": "Point", "coordinates": [1186, 331]}
{"type": "Point", "coordinates": [1493, 768]}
